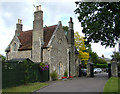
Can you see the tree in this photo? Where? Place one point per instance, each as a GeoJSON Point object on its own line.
{"type": "Point", "coordinates": [3, 58]}
{"type": "Point", "coordinates": [79, 41]}
{"type": "Point", "coordinates": [80, 45]}
{"type": "Point", "coordinates": [100, 21]}
{"type": "Point", "coordinates": [65, 28]}
{"type": "Point", "coordinates": [102, 55]}
{"type": "Point", "coordinates": [94, 57]}
{"type": "Point", "coordinates": [88, 47]}
{"type": "Point", "coordinates": [116, 56]}
{"type": "Point", "coordinates": [102, 61]}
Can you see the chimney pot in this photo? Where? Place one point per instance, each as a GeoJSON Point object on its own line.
{"type": "Point", "coordinates": [70, 19]}
{"type": "Point", "coordinates": [19, 21]}
{"type": "Point", "coordinates": [38, 8]}
{"type": "Point", "coordinates": [18, 27]}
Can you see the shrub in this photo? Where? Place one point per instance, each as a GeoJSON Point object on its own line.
{"type": "Point", "coordinates": [66, 73]}
{"type": "Point", "coordinates": [102, 61]}
{"type": "Point", "coordinates": [27, 66]}
{"type": "Point", "coordinates": [54, 75]}
{"type": "Point", "coordinates": [101, 65]}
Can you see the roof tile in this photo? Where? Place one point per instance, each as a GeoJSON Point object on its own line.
{"type": "Point", "coordinates": [26, 37]}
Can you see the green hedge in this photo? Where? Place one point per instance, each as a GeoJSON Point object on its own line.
{"type": "Point", "coordinates": [100, 65]}
{"type": "Point", "coordinates": [14, 73]}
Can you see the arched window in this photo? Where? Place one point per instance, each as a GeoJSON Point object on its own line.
{"type": "Point", "coordinates": [14, 47]}
{"type": "Point", "coordinates": [60, 68]}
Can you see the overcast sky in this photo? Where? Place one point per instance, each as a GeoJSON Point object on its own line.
{"type": "Point", "coordinates": [53, 11]}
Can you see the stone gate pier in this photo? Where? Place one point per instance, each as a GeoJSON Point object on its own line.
{"type": "Point", "coordinates": [114, 69]}
{"type": "Point", "coordinates": [90, 68]}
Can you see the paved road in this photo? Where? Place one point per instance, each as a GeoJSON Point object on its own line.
{"type": "Point", "coordinates": [81, 84]}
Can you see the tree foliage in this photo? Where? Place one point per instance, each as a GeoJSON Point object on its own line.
{"type": "Point", "coordinates": [100, 21]}
{"type": "Point", "coordinates": [3, 58]}
{"type": "Point", "coordinates": [94, 57]}
{"type": "Point", "coordinates": [65, 28]}
{"type": "Point", "coordinates": [100, 65]}
{"type": "Point", "coordinates": [88, 47]}
{"type": "Point", "coordinates": [79, 41]}
{"type": "Point", "coordinates": [102, 61]}
{"type": "Point", "coordinates": [116, 56]}
{"type": "Point", "coordinates": [80, 45]}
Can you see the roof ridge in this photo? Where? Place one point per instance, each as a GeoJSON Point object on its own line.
{"type": "Point", "coordinates": [27, 30]}
{"type": "Point", "coordinates": [50, 26]}
{"type": "Point", "coordinates": [44, 27]}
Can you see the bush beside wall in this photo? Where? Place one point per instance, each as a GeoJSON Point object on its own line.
{"type": "Point", "coordinates": [54, 75]}
{"type": "Point", "coordinates": [100, 65]}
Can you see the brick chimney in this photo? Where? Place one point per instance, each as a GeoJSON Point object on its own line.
{"type": "Point", "coordinates": [38, 35]}
{"type": "Point", "coordinates": [71, 48]}
{"type": "Point", "coordinates": [18, 27]}
{"type": "Point", "coordinates": [71, 32]}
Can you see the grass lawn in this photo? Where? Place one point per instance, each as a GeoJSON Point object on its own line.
{"type": "Point", "coordinates": [25, 88]}
{"type": "Point", "coordinates": [112, 85]}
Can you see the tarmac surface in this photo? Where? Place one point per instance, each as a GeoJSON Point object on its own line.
{"type": "Point", "coordinates": [79, 84]}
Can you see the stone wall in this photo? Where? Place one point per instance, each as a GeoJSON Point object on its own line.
{"type": "Point", "coordinates": [72, 60]}
{"type": "Point", "coordinates": [58, 52]}
{"type": "Point", "coordinates": [76, 66]}
{"type": "Point", "coordinates": [114, 69]}
{"type": "Point", "coordinates": [19, 54]}
{"type": "Point", "coordinates": [88, 70]}
{"type": "Point", "coordinates": [46, 55]}
{"type": "Point", "coordinates": [71, 48]}
{"type": "Point", "coordinates": [37, 36]}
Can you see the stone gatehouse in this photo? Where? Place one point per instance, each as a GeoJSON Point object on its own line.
{"type": "Point", "coordinates": [49, 44]}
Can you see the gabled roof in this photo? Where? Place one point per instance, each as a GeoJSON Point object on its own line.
{"type": "Point", "coordinates": [25, 38]}
{"type": "Point", "coordinates": [48, 32]}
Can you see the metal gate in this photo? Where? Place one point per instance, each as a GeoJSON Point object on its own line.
{"type": "Point", "coordinates": [109, 70]}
